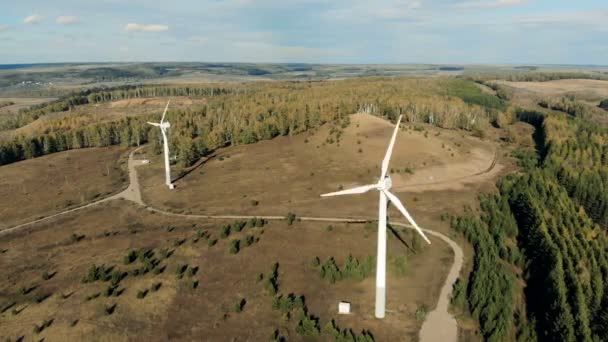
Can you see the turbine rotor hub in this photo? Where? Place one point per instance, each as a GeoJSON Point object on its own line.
{"type": "Point", "coordinates": [385, 184]}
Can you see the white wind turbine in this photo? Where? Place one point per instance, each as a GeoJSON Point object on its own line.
{"type": "Point", "coordinates": [164, 125]}
{"type": "Point", "coordinates": [383, 186]}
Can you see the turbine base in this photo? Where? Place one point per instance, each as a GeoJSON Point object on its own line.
{"type": "Point", "coordinates": [380, 301]}
{"type": "Point", "coordinates": [171, 186]}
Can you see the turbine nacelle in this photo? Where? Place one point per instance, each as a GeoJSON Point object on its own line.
{"type": "Point", "coordinates": [385, 184]}
{"type": "Point", "coordinates": [162, 125]}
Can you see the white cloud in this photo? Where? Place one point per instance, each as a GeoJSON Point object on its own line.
{"type": "Point", "coordinates": [133, 27]}
{"type": "Point", "coordinates": [490, 4]}
{"type": "Point", "coordinates": [3, 28]}
{"type": "Point", "coordinates": [66, 20]}
{"type": "Point", "coordinates": [32, 19]}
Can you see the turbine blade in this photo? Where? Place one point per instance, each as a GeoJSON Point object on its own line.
{"type": "Point", "coordinates": [357, 190]}
{"type": "Point", "coordinates": [153, 123]}
{"type": "Point", "coordinates": [165, 112]}
{"type": "Point", "coordinates": [402, 209]}
{"type": "Point", "coordinates": [389, 151]}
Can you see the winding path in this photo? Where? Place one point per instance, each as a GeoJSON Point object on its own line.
{"type": "Point", "coordinates": [440, 325]}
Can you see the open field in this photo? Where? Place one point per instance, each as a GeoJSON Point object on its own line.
{"type": "Point", "coordinates": [289, 173]}
{"type": "Point", "coordinates": [105, 234]}
{"type": "Point", "coordinates": [588, 90]}
{"type": "Point", "coordinates": [21, 102]}
{"type": "Point", "coordinates": [49, 184]}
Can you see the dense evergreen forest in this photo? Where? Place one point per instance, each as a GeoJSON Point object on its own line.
{"type": "Point", "coordinates": [550, 222]}
{"type": "Point", "coordinates": [246, 113]}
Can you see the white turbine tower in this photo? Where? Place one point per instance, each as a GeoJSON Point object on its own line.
{"type": "Point", "coordinates": [383, 186]}
{"type": "Point", "coordinates": [164, 125]}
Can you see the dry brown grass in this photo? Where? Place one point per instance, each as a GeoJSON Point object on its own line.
{"type": "Point", "coordinates": [289, 174]}
{"type": "Point", "coordinates": [591, 90]}
{"type": "Point", "coordinates": [176, 311]}
{"type": "Point", "coordinates": [21, 102]}
{"type": "Point", "coordinates": [42, 186]}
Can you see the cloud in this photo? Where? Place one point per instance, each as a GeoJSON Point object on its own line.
{"type": "Point", "coordinates": [490, 4]}
{"type": "Point", "coordinates": [32, 19]}
{"type": "Point", "coordinates": [133, 27]}
{"type": "Point", "coordinates": [66, 20]}
{"type": "Point", "coordinates": [3, 28]}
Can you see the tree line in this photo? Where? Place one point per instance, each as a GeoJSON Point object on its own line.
{"type": "Point", "coordinates": [537, 76]}
{"type": "Point", "coordinates": [99, 95]}
{"type": "Point", "coordinates": [547, 223]}
{"type": "Point", "coordinates": [247, 113]}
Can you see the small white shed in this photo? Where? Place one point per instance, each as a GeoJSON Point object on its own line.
{"type": "Point", "coordinates": [344, 308]}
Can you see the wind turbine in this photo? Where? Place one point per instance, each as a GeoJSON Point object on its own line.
{"type": "Point", "coordinates": [164, 125]}
{"type": "Point", "coordinates": [383, 186]}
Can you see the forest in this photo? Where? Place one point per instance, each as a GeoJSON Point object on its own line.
{"type": "Point", "coordinates": [537, 76]}
{"type": "Point", "coordinates": [549, 221]}
{"type": "Point", "coordinates": [249, 112]}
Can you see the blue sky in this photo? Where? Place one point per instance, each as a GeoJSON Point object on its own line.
{"type": "Point", "coordinates": [312, 31]}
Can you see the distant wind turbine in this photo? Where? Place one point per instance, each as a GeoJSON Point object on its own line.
{"type": "Point", "coordinates": [383, 186]}
{"type": "Point", "coordinates": [164, 125]}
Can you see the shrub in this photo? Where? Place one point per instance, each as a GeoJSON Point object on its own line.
{"type": "Point", "coordinates": [179, 271]}
{"type": "Point", "coordinates": [239, 225]}
{"type": "Point", "coordinates": [41, 297]}
{"type": "Point", "coordinates": [420, 313]}
{"type": "Point", "coordinates": [254, 203]}
{"type": "Point", "coordinates": [93, 296]}
{"type": "Point", "coordinates": [239, 305]}
{"type": "Point", "coordinates": [110, 309]}
{"type": "Point", "coordinates": [165, 253]}
{"type": "Point", "coordinates": [156, 286]}
{"type": "Point", "coordinates": [142, 294]}
{"type": "Point", "coordinates": [249, 240]}
{"type": "Point", "coordinates": [129, 258]}
{"type": "Point", "coordinates": [76, 237]}
{"type": "Point", "coordinates": [8, 306]}
{"type": "Point", "coordinates": [211, 242]}
{"type": "Point", "coordinates": [308, 326]}
{"type": "Point", "coordinates": [235, 246]}
{"type": "Point", "coordinates": [116, 277]}
{"type": "Point", "coordinates": [329, 228]}
{"type": "Point", "coordinates": [194, 284]}
{"type": "Point", "coordinates": [192, 271]}
{"type": "Point", "coordinates": [291, 217]}
{"type": "Point", "coordinates": [46, 275]}
{"type": "Point", "coordinates": [178, 242]}
{"type": "Point", "coordinates": [109, 291]}
{"type": "Point", "coordinates": [159, 270]}
{"type": "Point", "coordinates": [225, 231]}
